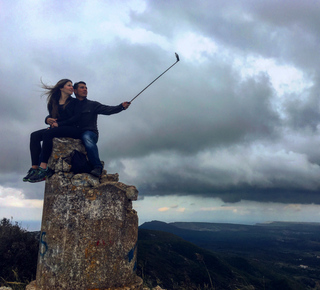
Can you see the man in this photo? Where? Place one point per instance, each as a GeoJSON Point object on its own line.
{"type": "Point", "coordinates": [88, 123]}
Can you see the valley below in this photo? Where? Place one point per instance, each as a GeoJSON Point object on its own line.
{"type": "Point", "coordinates": [276, 255]}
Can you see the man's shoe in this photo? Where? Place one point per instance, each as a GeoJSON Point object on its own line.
{"type": "Point", "coordinates": [41, 175]}
{"type": "Point", "coordinates": [30, 173]}
{"type": "Point", "coordinates": [97, 171]}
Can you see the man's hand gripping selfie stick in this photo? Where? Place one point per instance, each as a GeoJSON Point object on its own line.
{"type": "Point", "coordinates": [177, 56]}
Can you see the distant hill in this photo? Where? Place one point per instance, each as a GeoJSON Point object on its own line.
{"type": "Point", "coordinates": [278, 252]}
{"type": "Point", "coordinates": [310, 225]}
{"type": "Point", "coordinates": [238, 238]}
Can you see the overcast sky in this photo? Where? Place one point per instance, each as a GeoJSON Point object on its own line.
{"type": "Point", "coordinates": [229, 134]}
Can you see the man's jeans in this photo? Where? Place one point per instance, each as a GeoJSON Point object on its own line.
{"type": "Point", "coordinates": [90, 140]}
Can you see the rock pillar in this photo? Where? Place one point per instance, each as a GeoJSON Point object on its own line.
{"type": "Point", "coordinates": [89, 230]}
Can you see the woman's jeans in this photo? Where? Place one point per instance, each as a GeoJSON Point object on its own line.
{"type": "Point", "coordinates": [90, 139]}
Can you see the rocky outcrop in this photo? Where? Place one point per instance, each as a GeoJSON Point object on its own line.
{"type": "Point", "coordinates": [89, 229]}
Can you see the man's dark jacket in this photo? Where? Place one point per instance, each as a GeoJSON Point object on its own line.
{"type": "Point", "coordinates": [90, 110]}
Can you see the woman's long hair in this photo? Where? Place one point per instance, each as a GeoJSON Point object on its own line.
{"type": "Point", "coordinates": [54, 94]}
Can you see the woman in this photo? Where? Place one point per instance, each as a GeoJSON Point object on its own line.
{"type": "Point", "coordinates": [63, 123]}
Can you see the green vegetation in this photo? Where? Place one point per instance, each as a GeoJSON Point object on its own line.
{"type": "Point", "coordinates": [18, 252]}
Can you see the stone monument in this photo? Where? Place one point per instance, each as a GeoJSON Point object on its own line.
{"type": "Point", "coordinates": [89, 229]}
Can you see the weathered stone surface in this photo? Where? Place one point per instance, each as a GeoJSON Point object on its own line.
{"type": "Point", "coordinates": [32, 285]}
{"type": "Point", "coordinates": [89, 230]}
{"type": "Point", "coordinates": [62, 148]}
{"type": "Point", "coordinates": [110, 177]}
{"type": "Point", "coordinates": [85, 179]}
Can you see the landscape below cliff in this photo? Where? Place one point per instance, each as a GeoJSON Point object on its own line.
{"type": "Point", "coordinates": [196, 255]}
{"type": "Point", "coordinates": [275, 255]}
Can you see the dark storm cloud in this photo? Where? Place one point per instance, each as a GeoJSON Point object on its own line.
{"type": "Point", "coordinates": [187, 119]}
{"type": "Point", "coordinates": [303, 110]}
{"type": "Point", "coordinates": [204, 128]}
{"type": "Point", "coordinates": [234, 174]}
{"type": "Point", "coordinates": [280, 29]}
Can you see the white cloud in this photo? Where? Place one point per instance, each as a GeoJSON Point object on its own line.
{"type": "Point", "coordinates": [14, 205]}
{"type": "Point", "coordinates": [195, 47]}
{"type": "Point", "coordinates": [285, 78]}
{"type": "Point", "coordinates": [12, 197]}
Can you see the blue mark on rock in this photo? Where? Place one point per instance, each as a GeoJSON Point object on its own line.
{"type": "Point", "coordinates": [131, 253]}
{"type": "Point", "coordinates": [135, 266]}
{"type": "Point", "coordinates": [43, 246]}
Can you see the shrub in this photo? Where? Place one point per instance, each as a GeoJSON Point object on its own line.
{"type": "Point", "coordinates": [18, 252]}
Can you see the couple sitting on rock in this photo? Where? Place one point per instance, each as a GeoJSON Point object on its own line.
{"type": "Point", "coordinates": [68, 117]}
